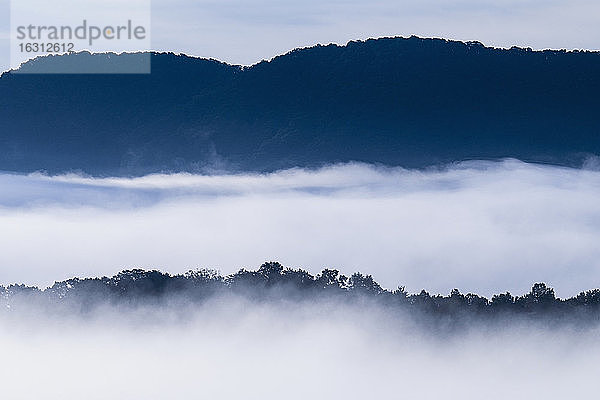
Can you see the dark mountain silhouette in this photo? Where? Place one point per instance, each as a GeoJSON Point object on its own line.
{"type": "Point", "coordinates": [409, 102]}
{"type": "Point", "coordinates": [273, 283]}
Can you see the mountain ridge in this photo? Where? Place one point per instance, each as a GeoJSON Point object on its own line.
{"type": "Point", "coordinates": [475, 43]}
{"type": "Point", "coordinates": [408, 102]}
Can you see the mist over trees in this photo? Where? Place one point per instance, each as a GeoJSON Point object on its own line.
{"type": "Point", "coordinates": [272, 283]}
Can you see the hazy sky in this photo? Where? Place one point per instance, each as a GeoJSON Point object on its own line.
{"type": "Point", "coordinates": [246, 31]}
{"type": "Point", "coordinates": [480, 227]}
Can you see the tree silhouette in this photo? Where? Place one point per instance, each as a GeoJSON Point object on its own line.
{"type": "Point", "coordinates": [274, 282]}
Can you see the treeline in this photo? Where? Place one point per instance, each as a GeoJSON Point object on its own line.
{"type": "Point", "coordinates": [274, 283]}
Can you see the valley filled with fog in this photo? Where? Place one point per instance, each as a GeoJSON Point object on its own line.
{"type": "Point", "coordinates": [483, 227]}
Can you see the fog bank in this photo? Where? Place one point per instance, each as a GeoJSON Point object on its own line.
{"type": "Point", "coordinates": [244, 350]}
{"type": "Point", "coordinates": [484, 227]}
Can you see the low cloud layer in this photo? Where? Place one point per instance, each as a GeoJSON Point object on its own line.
{"type": "Point", "coordinates": [484, 227]}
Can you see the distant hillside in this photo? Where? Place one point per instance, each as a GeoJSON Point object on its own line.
{"type": "Point", "coordinates": [399, 101]}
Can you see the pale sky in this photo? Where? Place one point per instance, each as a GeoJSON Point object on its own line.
{"type": "Point", "coordinates": [246, 31]}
